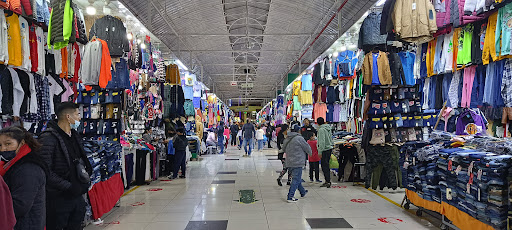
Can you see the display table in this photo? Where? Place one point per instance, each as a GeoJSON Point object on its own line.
{"type": "Point", "coordinates": [459, 218]}
{"type": "Point", "coordinates": [104, 195]}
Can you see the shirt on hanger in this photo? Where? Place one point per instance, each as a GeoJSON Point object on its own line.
{"type": "Point", "coordinates": [14, 40]}
{"type": "Point", "coordinates": [4, 40]}
{"type": "Point", "coordinates": [307, 82]}
{"type": "Point", "coordinates": [25, 44]}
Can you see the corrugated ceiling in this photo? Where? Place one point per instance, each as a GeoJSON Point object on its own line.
{"type": "Point", "coordinates": [245, 40]}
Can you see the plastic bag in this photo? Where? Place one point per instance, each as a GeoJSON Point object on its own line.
{"type": "Point", "coordinates": [333, 162]}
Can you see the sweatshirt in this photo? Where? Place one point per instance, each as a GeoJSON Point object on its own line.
{"type": "Point", "coordinates": [325, 138]}
{"type": "Point", "coordinates": [91, 63]}
{"type": "Point", "coordinates": [296, 149]}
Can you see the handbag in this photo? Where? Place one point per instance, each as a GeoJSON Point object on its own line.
{"type": "Point", "coordinates": [81, 172]}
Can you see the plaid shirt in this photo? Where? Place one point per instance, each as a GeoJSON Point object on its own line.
{"type": "Point", "coordinates": [43, 97]}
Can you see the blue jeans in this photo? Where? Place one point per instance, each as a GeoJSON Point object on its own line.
{"type": "Point", "coordinates": [260, 144]}
{"type": "Point", "coordinates": [220, 143]}
{"type": "Point", "coordinates": [296, 182]}
{"type": "Point", "coordinates": [251, 145]}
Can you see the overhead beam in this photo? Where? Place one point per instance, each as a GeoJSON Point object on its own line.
{"type": "Point", "coordinates": [245, 35]}
{"type": "Point", "coordinates": [243, 64]}
{"type": "Point", "coordinates": [244, 51]}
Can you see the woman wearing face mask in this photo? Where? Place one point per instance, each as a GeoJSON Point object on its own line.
{"type": "Point", "coordinates": [24, 172]}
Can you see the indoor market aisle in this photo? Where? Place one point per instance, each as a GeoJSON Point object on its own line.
{"type": "Point", "coordinates": [209, 198]}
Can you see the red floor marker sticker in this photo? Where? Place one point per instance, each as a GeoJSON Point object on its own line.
{"type": "Point", "coordinates": [362, 201]}
{"type": "Point", "coordinates": [390, 220]}
{"type": "Point", "coordinates": [155, 189]}
{"type": "Point", "coordinates": [137, 204]}
{"type": "Point", "coordinates": [339, 186]}
{"type": "Point", "coordinates": [114, 222]}
{"type": "Point", "coordinates": [165, 180]}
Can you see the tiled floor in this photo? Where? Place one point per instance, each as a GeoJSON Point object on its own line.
{"type": "Point", "coordinates": [208, 199]}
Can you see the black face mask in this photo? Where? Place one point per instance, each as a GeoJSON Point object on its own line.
{"type": "Point", "coordinates": [7, 155]}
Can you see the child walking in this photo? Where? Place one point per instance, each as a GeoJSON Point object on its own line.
{"type": "Point", "coordinates": [314, 160]}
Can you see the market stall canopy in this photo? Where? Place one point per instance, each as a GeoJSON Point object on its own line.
{"type": "Point", "coordinates": [252, 41]}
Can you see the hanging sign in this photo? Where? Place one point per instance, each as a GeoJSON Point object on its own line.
{"type": "Point", "coordinates": [234, 83]}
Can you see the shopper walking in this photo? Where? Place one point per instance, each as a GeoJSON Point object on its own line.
{"type": "Point", "coordinates": [307, 130]}
{"type": "Point", "coordinates": [220, 137]}
{"type": "Point", "coordinates": [180, 143]}
{"type": "Point", "coordinates": [234, 132]}
{"type": "Point", "coordinates": [296, 149]}
{"type": "Point", "coordinates": [325, 146]}
{"type": "Point", "coordinates": [314, 160]}
{"type": "Point", "coordinates": [259, 138]}
{"type": "Point", "coordinates": [239, 136]}
{"type": "Point", "coordinates": [283, 130]}
{"type": "Point", "coordinates": [7, 217]}
{"type": "Point", "coordinates": [69, 170]}
{"type": "Point", "coordinates": [248, 133]}
{"type": "Point", "coordinates": [25, 173]}
{"type": "Point", "coordinates": [269, 132]}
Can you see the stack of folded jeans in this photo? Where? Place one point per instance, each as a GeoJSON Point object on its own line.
{"type": "Point", "coordinates": [105, 159]}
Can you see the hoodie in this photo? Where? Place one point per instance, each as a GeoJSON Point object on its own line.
{"type": "Point", "coordinates": [296, 149]}
{"type": "Point", "coordinates": [325, 138]}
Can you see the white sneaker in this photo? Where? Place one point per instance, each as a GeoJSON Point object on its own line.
{"type": "Point", "coordinates": [293, 200]}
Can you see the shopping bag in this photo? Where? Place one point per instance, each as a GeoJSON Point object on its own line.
{"type": "Point", "coordinates": [333, 162]}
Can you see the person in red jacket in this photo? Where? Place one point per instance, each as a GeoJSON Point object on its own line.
{"type": "Point", "coordinates": [314, 160]}
{"type": "Point", "coordinates": [6, 210]}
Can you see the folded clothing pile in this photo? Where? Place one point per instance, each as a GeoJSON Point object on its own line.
{"type": "Point", "coordinates": [105, 159]}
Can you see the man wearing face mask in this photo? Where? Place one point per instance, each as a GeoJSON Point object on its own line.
{"type": "Point", "coordinates": [63, 152]}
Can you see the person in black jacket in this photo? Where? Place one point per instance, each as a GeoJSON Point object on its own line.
{"type": "Point", "coordinates": [234, 130]}
{"type": "Point", "coordinates": [63, 152]}
{"type": "Point", "coordinates": [307, 130]}
{"type": "Point", "coordinates": [268, 133]}
{"type": "Point", "coordinates": [25, 173]}
{"type": "Point", "coordinates": [280, 155]}
{"type": "Point", "coordinates": [180, 144]}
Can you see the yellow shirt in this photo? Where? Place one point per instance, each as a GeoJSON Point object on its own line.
{"type": "Point", "coordinates": [14, 40]}
{"type": "Point", "coordinates": [306, 97]}
{"type": "Point", "coordinates": [296, 88]}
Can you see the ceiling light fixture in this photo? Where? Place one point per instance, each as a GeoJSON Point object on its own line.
{"type": "Point", "coordinates": [380, 2]}
{"type": "Point", "coordinates": [143, 46]}
{"type": "Point", "coordinates": [129, 36]}
{"type": "Point", "coordinates": [90, 10]}
{"type": "Point", "coordinates": [139, 41]}
{"type": "Point", "coordinates": [335, 54]}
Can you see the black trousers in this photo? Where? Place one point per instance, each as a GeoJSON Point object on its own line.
{"type": "Point", "coordinates": [269, 139]}
{"type": "Point", "coordinates": [180, 162]}
{"type": "Point", "coordinates": [64, 213]}
{"type": "Point", "coordinates": [140, 167]}
{"type": "Point", "coordinates": [169, 166]}
{"type": "Point", "coordinates": [233, 139]}
{"type": "Point", "coordinates": [129, 169]}
{"type": "Point", "coordinates": [346, 154]}
{"type": "Point", "coordinates": [314, 166]}
{"type": "Point", "coordinates": [326, 156]}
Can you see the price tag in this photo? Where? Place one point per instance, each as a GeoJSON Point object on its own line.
{"type": "Point", "coordinates": [459, 168]}
{"type": "Point", "coordinates": [479, 174]}
{"type": "Point", "coordinates": [470, 168]}
{"type": "Point", "coordinates": [468, 188]}
{"type": "Point", "coordinates": [450, 165]}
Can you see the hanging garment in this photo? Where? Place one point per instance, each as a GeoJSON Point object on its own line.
{"type": "Point", "coordinates": [369, 33]}
{"type": "Point", "coordinates": [61, 29]}
{"type": "Point", "coordinates": [111, 30]}
{"type": "Point", "coordinates": [382, 65]}
{"type": "Point", "coordinates": [25, 44]}
{"type": "Point", "coordinates": [91, 63]}
{"type": "Point", "coordinates": [503, 31]}
{"type": "Point", "coordinates": [415, 21]}
{"type": "Point", "coordinates": [14, 41]}
{"type": "Point", "coordinates": [489, 48]}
